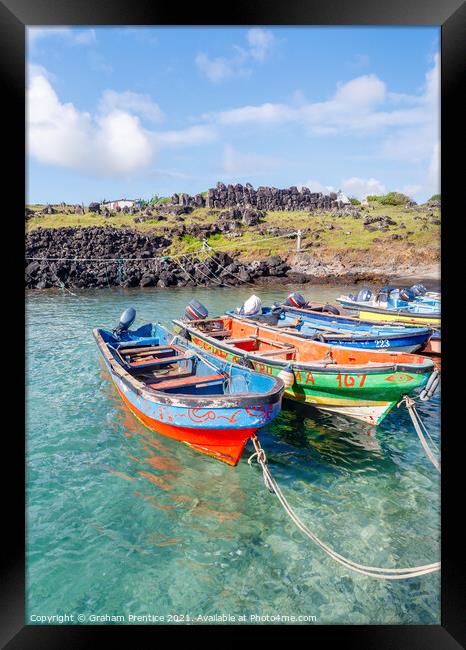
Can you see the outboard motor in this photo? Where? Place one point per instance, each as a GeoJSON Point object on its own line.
{"type": "Point", "coordinates": [251, 307]}
{"type": "Point", "coordinates": [407, 294]}
{"type": "Point", "coordinates": [418, 289]}
{"type": "Point", "coordinates": [295, 299]}
{"type": "Point", "coordinates": [126, 320]}
{"type": "Point", "coordinates": [195, 310]}
{"type": "Point", "coordinates": [384, 294]}
{"type": "Point", "coordinates": [364, 295]}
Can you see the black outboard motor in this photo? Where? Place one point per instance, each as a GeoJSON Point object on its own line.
{"type": "Point", "coordinates": [407, 295]}
{"type": "Point", "coordinates": [196, 310]}
{"type": "Point", "coordinates": [384, 293]}
{"type": "Point", "coordinates": [364, 295]}
{"type": "Point", "coordinates": [126, 320]}
{"type": "Point", "coordinates": [418, 289]}
{"type": "Point", "coordinates": [295, 299]}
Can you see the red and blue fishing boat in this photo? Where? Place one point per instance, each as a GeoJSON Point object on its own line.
{"type": "Point", "coordinates": [212, 405]}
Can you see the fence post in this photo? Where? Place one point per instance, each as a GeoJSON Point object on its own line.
{"type": "Point", "coordinates": [298, 242]}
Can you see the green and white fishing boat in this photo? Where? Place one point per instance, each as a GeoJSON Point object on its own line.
{"type": "Point", "coordinates": [361, 384]}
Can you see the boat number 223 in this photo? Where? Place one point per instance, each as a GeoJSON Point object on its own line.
{"type": "Point", "coordinates": [382, 343]}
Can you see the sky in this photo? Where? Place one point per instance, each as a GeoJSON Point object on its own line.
{"type": "Point", "coordinates": [133, 112]}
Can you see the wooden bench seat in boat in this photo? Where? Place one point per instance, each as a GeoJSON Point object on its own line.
{"type": "Point", "coordinates": [272, 353]}
{"type": "Point", "coordinates": [158, 362]}
{"type": "Point", "coordinates": [217, 334]}
{"type": "Point", "coordinates": [184, 381]}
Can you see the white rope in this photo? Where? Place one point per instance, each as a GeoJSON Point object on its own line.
{"type": "Point", "coordinates": [212, 257]}
{"type": "Point", "coordinates": [230, 272]}
{"type": "Point", "coordinates": [417, 422]}
{"type": "Point", "coordinates": [218, 281]}
{"type": "Point", "coordinates": [256, 241]}
{"type": "Point", "coordinates": [379, 573]}
{"type": "Point", "coordinates": [146, 259]}
{"type": "Point", "coordinates": [188, 274]}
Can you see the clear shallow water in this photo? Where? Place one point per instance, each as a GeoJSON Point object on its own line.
{"type": "Point", "coordinates": [121, 521]}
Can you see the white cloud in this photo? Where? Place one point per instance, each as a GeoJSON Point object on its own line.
{"type": "Point", "coordinates": [259, 45]}
{"type": "Point", "coordinates": [241, 164]}
{"type": "Point", "coordinates": [193, 135]}
{"type": "Point", "coordinates": [214, 69]}
{"type": "Point", "coordinates": [67, 34]}
{"type": "Point", "coordinates": [361, 187]}
{"type": "Point", "coordinates": [59, 134]}
{"type": "Point", "coordinates": [352, 108]}
{"type": "Point", "coordinates": [111, 142]}
{"type": "Point", "coordinates": [260, 42]}
{"type": "Point", "coordinates": [317, 186]}
{"type": "Point", "coordinates": [141, 105]}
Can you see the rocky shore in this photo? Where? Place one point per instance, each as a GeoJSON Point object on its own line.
{"type": "Point", "coordinates": [105, 256]}
{"type": "Point", "coordinates": [108, 257]}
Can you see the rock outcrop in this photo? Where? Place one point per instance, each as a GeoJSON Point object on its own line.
{"type": "Point", "coordinates": [262, 198]}
{"type": "Point", "coordinates": [105, 256]}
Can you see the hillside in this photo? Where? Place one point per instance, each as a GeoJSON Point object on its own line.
{"type": "Point", "coordinates": [378, 234]}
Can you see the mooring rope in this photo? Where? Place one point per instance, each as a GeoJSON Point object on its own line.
{"type": "Point", "coordinates": [234, 275]}
{"type": "Point", "coordinates": [417, 422]}
{"type": "Point", "coordinates": [380, 573]}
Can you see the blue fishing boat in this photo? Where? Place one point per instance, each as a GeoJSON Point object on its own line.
{"type": "Point", "coordinates": [212, 405]}
{"type": "Point", "coordinates": [336, 330]}
{"type": "Point", "coordinates": [389, 300]}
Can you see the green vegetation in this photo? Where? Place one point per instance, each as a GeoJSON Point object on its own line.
{"type": "Point", "coordinates": [392, 198]}
{"type": "Point", "coordinates": [354, 201]}
{"type": "Point", "coordinates": [435, 197]}
{"type": "Point", "coordinates": [325, 234]}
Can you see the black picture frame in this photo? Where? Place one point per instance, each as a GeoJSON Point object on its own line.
{"type": "Point", "coordinates": [450, 15]}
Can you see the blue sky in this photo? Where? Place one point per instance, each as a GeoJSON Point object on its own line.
{"type": "Point", "coordinates": [133, 112]}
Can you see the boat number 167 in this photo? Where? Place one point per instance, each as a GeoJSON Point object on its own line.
{"type": "Point", "coordinates": [382, 343]}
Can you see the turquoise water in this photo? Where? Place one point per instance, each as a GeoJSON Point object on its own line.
{"type": "Point", "coordinates": [123, 522]}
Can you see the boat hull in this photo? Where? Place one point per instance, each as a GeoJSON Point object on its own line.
{"type": "Point", "coordinates": [360, 393]}
{"type": "Point", "coordinates": [355, 334]}
{"type": "Point", "coordinates": [385, 315]}
{"type": "Point", "coordinates": [346, 332]}
{"type": "Point", "coordinates": [226, 445]}
{"type": "Point", "coordinates": [214, 424]}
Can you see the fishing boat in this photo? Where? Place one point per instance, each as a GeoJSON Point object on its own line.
{"type": "Point", "coordinates": [197, 398]}
{"type": "Point", "coordinates": [355, 334]}
{"type": "Point", "coordinates": [361, 384]}
{"type": "Point", "coordinates": [388, 305]}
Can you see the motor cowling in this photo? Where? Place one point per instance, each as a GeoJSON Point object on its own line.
{"type": "Point", "coordinates": [295, 299]}
{"type": "Point", "coordinates": [384, 293]}
{"type": "Point", "coordinates": [418, 289]}
{"type": "Point", "coordinates": [407, 294]}
{"type": "Point", "coordinates": [195, 310]}
{"type": "Point", "coordinates": [251, 306]}
{"type": "Point", "coordinates": [364, 295]}
{"type": "Point", "coordinates": [126, 320]}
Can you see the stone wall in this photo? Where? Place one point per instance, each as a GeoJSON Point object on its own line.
{"type": "Point", "coordinates": [263, 198]}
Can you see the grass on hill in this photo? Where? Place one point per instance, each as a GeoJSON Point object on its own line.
{"type": "Point", "coordinates": [348, 233]}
